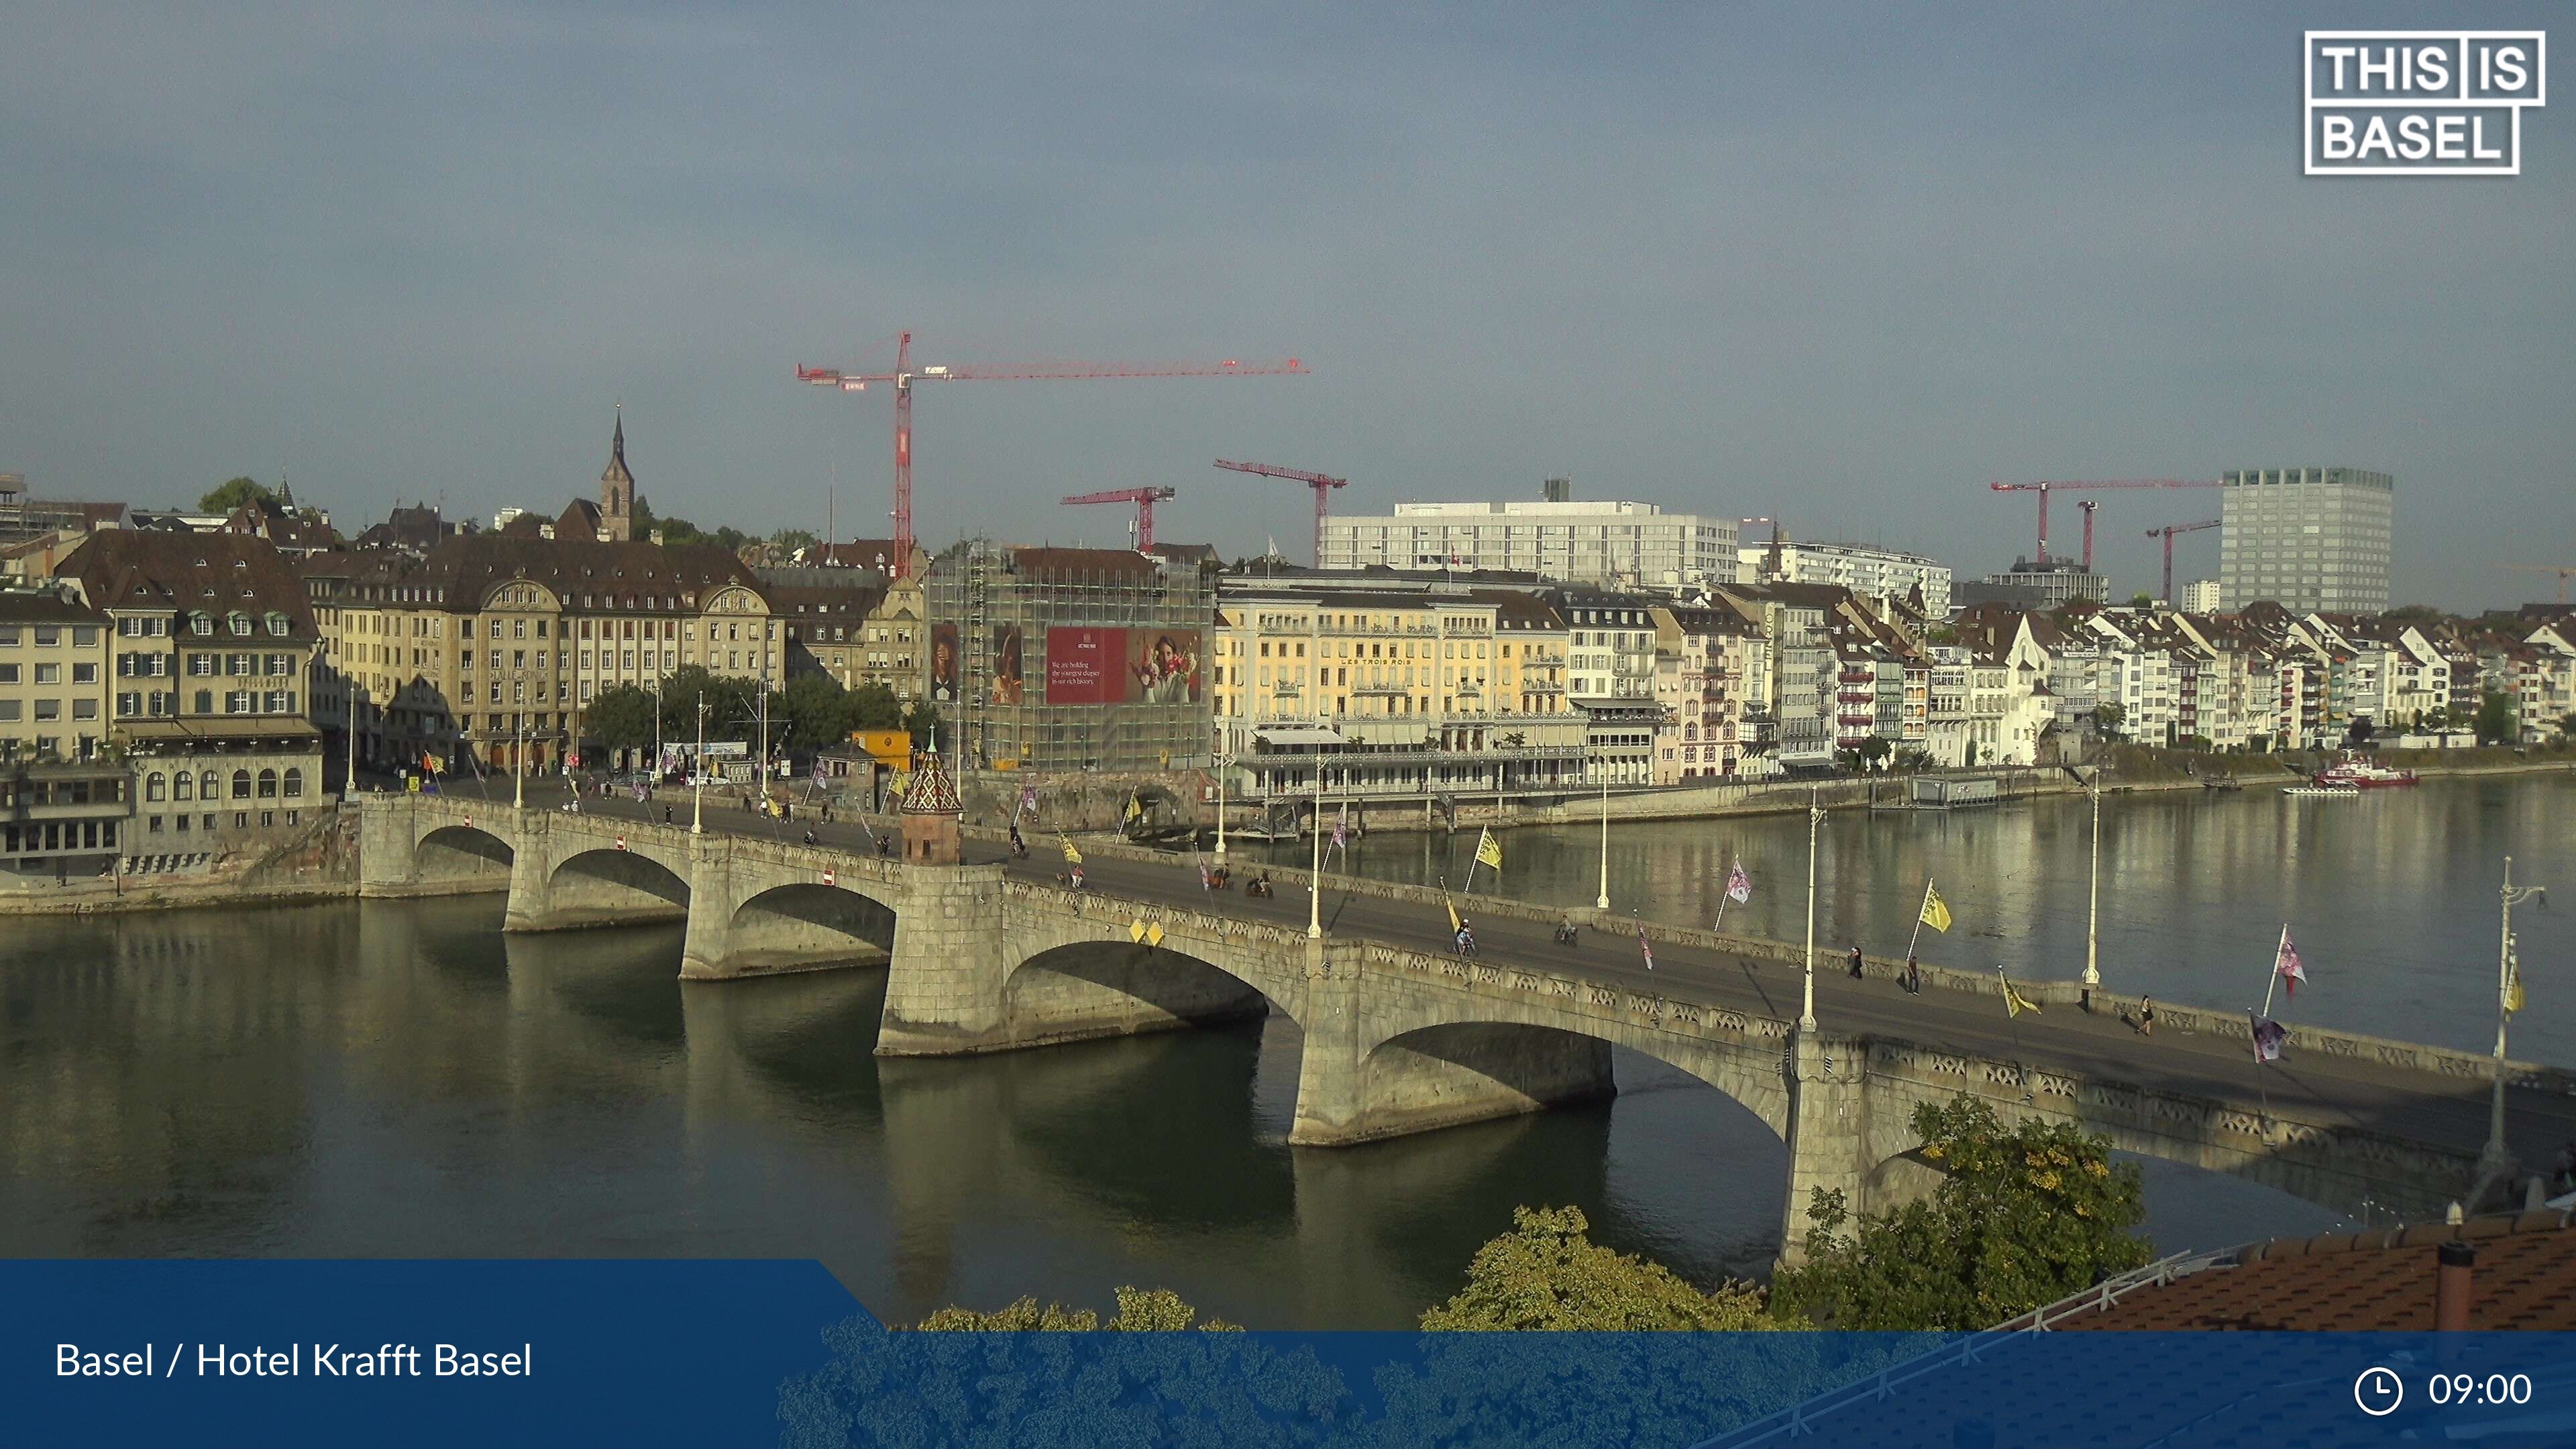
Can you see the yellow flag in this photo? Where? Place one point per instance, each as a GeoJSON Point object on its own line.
{"type": "Point", "coordinates": [1071, 855]}
{"type": "Point", "coordinates": [2513, 994]}
{"type": "Point", "coordinates": [1135, 806]}
{"type": "Point", "coordinates": [1455, 925]}
{"type": "Point", "coordinates": [1936, 911]}
{"type": "Point", "coordinates": [2015, 1003]}
{"type": "Point", "coordinates": [1489, 851]}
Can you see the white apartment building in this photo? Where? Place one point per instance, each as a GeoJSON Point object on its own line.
{"type": "Point", "coordinates": [1876, 574]}
{"type": "Point", "coordinates": [2200, 596]}
{"type": "Point", "coordinates": [1610, 545]}
{"type": "Point", "coordinates": [2305, 538]}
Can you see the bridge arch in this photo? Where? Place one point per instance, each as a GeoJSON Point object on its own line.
{"type": "Point", "coordinates": [457, 852]}
{"type": "Point", "coordinates": [807, 922]}
{"type": "Point", "coordinates": [1480, 1065]}
{"type": "Point", "coordinates": [605, 885]}
{"type": "Point", "coordinates": [1110, 985]}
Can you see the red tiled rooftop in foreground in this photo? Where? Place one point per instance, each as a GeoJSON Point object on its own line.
{"type": "Point", "coordinates": [2524, 1278]}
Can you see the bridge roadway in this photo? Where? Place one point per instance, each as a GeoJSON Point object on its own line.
{"type": "Point", "coordinates": [2445, 1113]}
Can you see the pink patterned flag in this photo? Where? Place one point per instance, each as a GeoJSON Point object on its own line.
{"type": "Point", "coordinates": [1739, 886]}
{"type": "Point", "coordinates": [2287, 963]}
{"type": "Point", "coordinates": [2269, 1036]}
{"type": "Point", "coordinates": [1644, 946]}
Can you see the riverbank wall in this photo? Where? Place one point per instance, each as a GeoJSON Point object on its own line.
{"type": "Point", "coordinates": [317, 862]}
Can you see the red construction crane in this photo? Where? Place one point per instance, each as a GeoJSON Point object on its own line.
{"type": "Point", "coordinates": [2167, 534]}
{"type": "Point", "coordinates": [2044, 489]}
{"type": "Point", "coordinates": [905, 375]}
{"type": "Point", "coordinates": [2563, 574]}
{"type": "Point", "coordinates": [2088, 505]}
{"type": "Point", "coordinates": [1143, 498]}
{"type": "Point", "coordinates": [1322, 483]}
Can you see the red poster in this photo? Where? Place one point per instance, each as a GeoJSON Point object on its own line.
{"type": "Point", "coordinates": [1086, 666]}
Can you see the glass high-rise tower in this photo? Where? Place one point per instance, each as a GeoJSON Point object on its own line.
{"type": "Point", "coordinates": [2306, 539]}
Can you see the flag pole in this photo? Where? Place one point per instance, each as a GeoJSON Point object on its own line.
{"type": "Point", "coordinates": [2272, 980]}
{"type": "Point", "coordinates": [1912, 941]}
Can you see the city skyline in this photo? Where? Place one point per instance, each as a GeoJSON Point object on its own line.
{"type": "Point", "coordinates": [422, 255]}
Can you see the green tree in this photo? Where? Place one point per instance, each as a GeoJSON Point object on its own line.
{"type": "Point", "coordinates": [1547, 1274]}
{"type": "Point", "coordinates": [622, 718]}
{"type": "Point", "coordinates": [733, 706]}
{"type": "Point", "coordinates": [2495, 724]}
{"type": "Point", "coordinates": [2023, 1217]}
{"type": "Point", "coordinates": [874, 707]}
{"type": "Point", "coordinates": [818, 711]}
{"type": "Point", "coordinates": [1140, 1310]}
{"type": "Point", "coordinates": [788, 540]}
{"type": "Point", "coordinates": [2142, 600]}
{"type": "Point", "coordinates": [921, 719]}
{"type": "Point", "coordinates": [1874, 751]}
{"type": "Point", "coordinates": [644, 521]}
{"type": "Point", "coordinates": [2109, 715]}
{"type": "Point", "coordinates": [232, 493]}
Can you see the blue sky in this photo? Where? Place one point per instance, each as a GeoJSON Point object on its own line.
{"type": "Point", "coordinates": [1840, 265]}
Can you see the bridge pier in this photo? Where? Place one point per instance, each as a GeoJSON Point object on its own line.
{"type": "Point", "coordinates": [1829, 1138]}
{"type": "Point", "coordinates": [944, 986]}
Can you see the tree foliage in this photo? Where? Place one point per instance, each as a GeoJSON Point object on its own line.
{"type": "Point", "coordinates": [622, 718]}
{"type": "Point", "coordinates": [874, 707]}
{"type": "Point", "coordinates": [1140, 1310]}
{"type": "Point", "coordinates": [1547, 1274]}
{"type": "Point", "coordinates": [232, 493]}
{"type": "Point", "coordinates": [2024, 1217]}
{"type": "Point", "coordinates": [920, 720]}
{"type": "Point", "coordinates": [2495, 723]}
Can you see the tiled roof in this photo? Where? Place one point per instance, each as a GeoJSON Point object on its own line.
{"type": "Point", "coordinates": [1122, 563]}
{"type": "Point", "coordinates": [642, 576]}
{"type": "Point", "coordinates": [2524, 1278]}
{"type": "Point", "coordinates": [212, 573]}
{"type": "Point", "coordinates": [44, 606]}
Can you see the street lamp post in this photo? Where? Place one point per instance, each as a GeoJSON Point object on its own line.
{"type": "Point", "coordinates": [1220, 809]}
{"type": "Point", "coordinates": [1815, 820]}
{"type": "Point", "coordinates": [2093, 899]}
{"type": "Point", "coordinates": [2493, 1157]}
{"type": "Point", "coordinates": [1602, 903]}
{"type": "Point", "coordinates": [698, 774]}
{"type": "Point", "coordinates": [519, 764]}
{"type": "Point", "coordinates": [1315, 880]}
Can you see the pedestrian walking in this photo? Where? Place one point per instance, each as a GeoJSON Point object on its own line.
{"type": "Point", "coordinates": [2146, 1016]}
{"type": "Point", "coordinates": [666, 815]}
{"type": "Point", "coordinates": [1855, 963]}
{"type": "Point", "coordinates": [1913, 976]}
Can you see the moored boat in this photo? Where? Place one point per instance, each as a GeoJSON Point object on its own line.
{"type": "Point", "coordinates": [2359, 773]}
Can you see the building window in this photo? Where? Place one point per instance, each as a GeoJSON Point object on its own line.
{"type": "Point", "coordinates": [293, 787]}
{"type": "Point", "coordinates": [210, 787]}
{"type": "Point", "coordinates": [183, 787]}
{"type": "Point", "coordinates": [155, 785]}
{"type": "Point", "coordinates": [241, 784]}
{"type": "Point", "coordinates": [268, 784]}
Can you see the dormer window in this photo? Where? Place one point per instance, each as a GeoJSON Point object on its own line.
{"type": "Point", "coordinates": [240, 625]}
{"type": "Point", "coordinates": [201, 624]}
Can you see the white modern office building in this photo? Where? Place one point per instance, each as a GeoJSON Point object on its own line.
{"type": "Point", "coordinates": [1613, 545]}
{"type": "Point", "coordinates": [2308, 539]}
{"type": "Point", "coordinates": [1872, 573]}
{"type": "Point", "coordinates": [2200, 596]}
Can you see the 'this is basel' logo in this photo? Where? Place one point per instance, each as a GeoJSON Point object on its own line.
{"type": "Point", "coordinates": [2421, 102]}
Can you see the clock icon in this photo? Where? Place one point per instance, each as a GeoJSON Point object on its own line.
{"type": "Point", "coordinates": [2378, 1391]}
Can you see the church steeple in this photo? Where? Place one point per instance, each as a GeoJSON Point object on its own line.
{"type": "Point", "coordinates": [617, 487]}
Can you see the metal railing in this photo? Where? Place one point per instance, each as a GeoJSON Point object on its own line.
{"type": "Point", "coordinates": [1803, 1419]}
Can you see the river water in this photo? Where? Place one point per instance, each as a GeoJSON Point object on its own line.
{"type": "Point", "coordinates": [399, 1079]}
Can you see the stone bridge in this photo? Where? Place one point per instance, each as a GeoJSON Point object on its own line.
{"type": "Point", "coordinates": [1397, 1037]}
